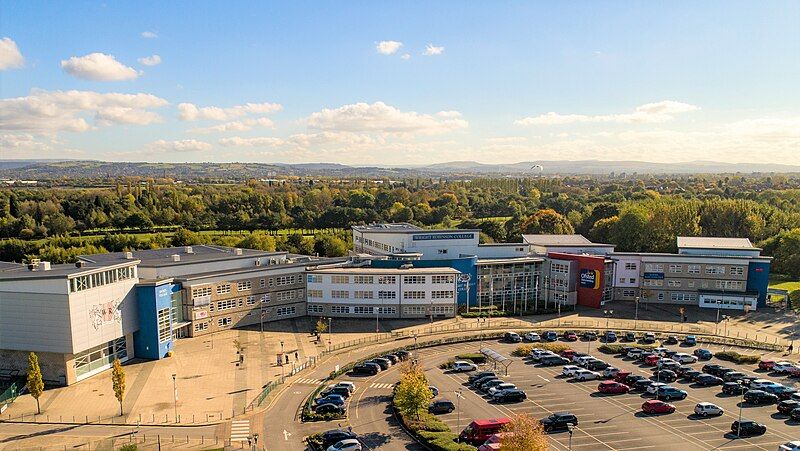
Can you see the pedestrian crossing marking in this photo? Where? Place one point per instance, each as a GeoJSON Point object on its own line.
{"type": "Point", "coordinates": [240, 430]}
{"type": "Point", "coordinates": [309, 381]}
{"type": "Point", "coordinates": [379, 385]}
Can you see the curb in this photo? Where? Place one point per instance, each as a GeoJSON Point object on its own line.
{"type": "Point", "coordinates": [158, 425]}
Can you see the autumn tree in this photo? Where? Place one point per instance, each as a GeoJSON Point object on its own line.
{"type": "Point", "coordinates": [118, 383]}
{"type": "Point", "coordinates": [523, 433]}
{"type": "Point", "coordinates": [412, 395]}
{"type": "Point", "coordinates": [322, 326]}
{"type": "Point", "coordinates": [35, 382]}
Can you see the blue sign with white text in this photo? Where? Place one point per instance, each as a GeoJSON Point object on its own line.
{"type": "Point", "coordinates": [654, 275]}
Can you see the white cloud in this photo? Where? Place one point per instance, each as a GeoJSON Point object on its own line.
{"type": "Point", "coordinates": [305, 140]}
{"type": "Point", "coordinates": [149, 34]}
{"type": "Point", "coordinates": [235, 126]}
{"type": "Point", "coordinates": [649, 113]}
{"type": "Point", "coordinates": [432, 50]}
{"type": "Point", "coordinates": [48, 112]}
{"type": "Point", "coordinates": [153, 60]}
{"type": "Point", "coordinates": [379, 117]}
{"type": "Point", "coordinates": [10, 56]}
{"type": "Point", "coordinates": [184, 145]}
{"type": "Point", "coordinates": [388, 47]}
{"type": "Point", "coordinates": [406, 56]}
{"type": "Point", "coordinates": [191, 112]}
{"type": "Point", "coordinates": [98, 67]}
{"type": "Point", "coordinates": [238, 141]}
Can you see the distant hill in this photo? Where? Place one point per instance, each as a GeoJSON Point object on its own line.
{"type": "Point", "coordinates": [74, 169]}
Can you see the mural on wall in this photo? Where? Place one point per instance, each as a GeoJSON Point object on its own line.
{"type": "Point", "coordinates": [105, 313]}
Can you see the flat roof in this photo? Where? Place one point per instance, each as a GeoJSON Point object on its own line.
{"type": "Point", "coordinates": [553, 240]}
{"type": "Point", "coordinates": [392, 271]}
{"type": "Point", "coordinates": [405, 228]}
{"type": "Point", "coordinates": [301, 263]}
{"type": "Point", "coordinates": [200, 253]}
{"type": "Point", "coordinates": [499, 260]}
{"type": "Point", "coordinates": [16, 271]}
{"type": "Point", "coordinates": [708, 242]}
{"type": "Point", "coordinates": [694, 256]}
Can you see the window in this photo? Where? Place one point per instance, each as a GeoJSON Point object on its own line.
{"type": "Point", "coordinates": [736, 270]}
{"type": "Point", "coordinates": [201, 291]}
{"type": "Point", "coordinates": [660, 296]}
{"type": "Point", "coordinates": [653, 283]}
{"type": "Point", "coordinates": [729, 284]}
{"type": "Point", "coordinates": [285, 311]}
{"type": "Point", "coordinates": [340, 294]}
{"type": "Point", "coordinates": [163, 316]}
{"type": "Point", "coordinates": [630, 266]}
{"type": "Point", "coordinates": [414, 279]}
{"type": "Point", "coordinates": [621, 280]}
{"type": "Point", "coordinates": [442, 309]}
{"type": "Point", "coordinates": [363, 310]}
{"type": "Point", "coordinates": [414, 310]}
{"type": "Point", "coordinates": [363, 294]}
{"type": "Point", "coordinates": [244, 285]}
{"type": "Point", "coordinates": [674, 283]}
{"type": "Point", "coordinates": [443, 279]}
{"type": "Point", "coordinates": [315, 308]}
{"type": "Point", "coordinates": [387, 310]}
{"type": "Point", "coordinates": [632, 280]}
{"type": "Point", "coordinates": [387, 295]}
{"type": "Point", "coordinates": [226, 304]}
{"type": "Point", "coordinates": [265, 298]}
{"type": "Point", "coordinates": [340, 309]}
{"type": "Point", "coordinates": [442, 294]}
{"type": "Point", "coordinates": [284, 280]}
{"type": "Point", "coordinates": [690, 283]}
{"type": "Point", "coordinates": [283, 296]}
{"type": "Point", "coordinates": [251, 300]}
{"type": "Point", "coordinates": [88, 281]}
{"type": "Point", "coordinates": [715, 270]}
{"type": "Point", "coordinates": [200, 326]}
{"type": "Point", "coordinates": [262, 283]}
{"type": "Point", "coordinates": [362, 279]}
{"type": "Point", "coordinates": [224, 322]}
{"type": "Point", "coordinates": [340, 279]}
{"type": "Point", "coordinates": [315, 294]}
{"type": "Point", "coordinates": [628, 293]}
{"type": "Point", "coordinates": [314, 278]}
{"type": "Point", "coordinates": [414, 295]}
{"type": "Point", "coordinates": [653, 267]}
{"type": "Point", "coordinates": [683, 297]}
{"type": "Point", "coordinates": [224, 288]}
{"type": "Point", "coordinates": [676, 268]}
{"type": "Point", "coordinates": [387, 280]}
{"type": "Point", "coordinates": [693, 269]}
{"type": "Point", "coordinates": [560, 268]}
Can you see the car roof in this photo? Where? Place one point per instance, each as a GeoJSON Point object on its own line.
{"type": "Point", "coordinates": [491, 421]}
{"type": "Point", "coordinates": [349, 441]}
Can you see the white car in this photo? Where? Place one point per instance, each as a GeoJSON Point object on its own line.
{"type": "Point", "coordinates": [665, 361]}
{"type": "Point", "coordinates": [782, 367]}
{"type": "Point", "coordinates": [653, 388]}
{"type": "Point", "coordinates": [760, 384]}
{"type": "Point", "coordinates": [537, 354]}
{"type": "Point", "coordinates": [586, 375]}
{"type": "Point", "coordinates": [634, 353]}
{"type": "Point", "coordinates": [351, 387]}
{"type": "Point", "coordinates": [705, 409]}
{"type": "Point", "coordinates": [532, 336]}
{"type": "Point", "coordinates": [790, 446]}
{"type": "Point", "coordinates": [659, 351]}
{"type": "Point", "coordinates": [569, 370]}
{"type": "Point", "coordinates": [684, 358]}
{"type": "Point", "coordinates": [501, 387]}
{"type": "Point", "coordinates": [583, 359]}
{"type": "Point", "coordinates": [462, 365]}
{"type": "Point", "coordinates": [349, 444]}
{"type": "Point", "coordinates": [610, 371]}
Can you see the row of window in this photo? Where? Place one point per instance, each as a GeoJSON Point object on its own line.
{"type": "Point", "coordinates": [690, 269]}
{"type": "Point", "coordinates": [281, 296]}
{"type": "Point", "coordinates": [559, 268]}
{"type": "Point", "coordinates": [384, 280]}
{"type": "Point", "coordinates": [245, 285]}
{"type": "Point", "coordinates": [358, 294]}
{"type": "Point", "coordinates": [99, 279]}
{"type": "Point", "coordinates": [376, 244]}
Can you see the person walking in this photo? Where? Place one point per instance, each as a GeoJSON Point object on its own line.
{"type": "Point", "coordinates": [295, 356]}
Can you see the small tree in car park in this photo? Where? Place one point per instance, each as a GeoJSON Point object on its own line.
{"type": "Point", "coordinates": [35, 382]}
{"type": "Point", "coordinates": [321, 327]}
{"type": "Point", "coordinates": [412, 395]}
{"type": "Point", "coordinates": [523, 433]}
{"type": "Point", "coordinates": [118, 382]}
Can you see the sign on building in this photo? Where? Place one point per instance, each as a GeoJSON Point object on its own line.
{"type": "Point", "coordinates": [590, 278]}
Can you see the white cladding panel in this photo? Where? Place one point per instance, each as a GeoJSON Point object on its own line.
{"type": "Point", "coordinates": [627, 271]}
{"type": "Point", "coordinates": [35, 321]}
{"type": "Point", "coordinates": [102, 314]}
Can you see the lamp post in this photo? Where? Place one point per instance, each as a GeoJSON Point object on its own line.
{"type": "Point", "coordinates": [281, 358]}
{"type": "Point", "coordinates": [458, 409]}
{"type": "Point", "coordinates": [636, 312]}
{"type": "Point", "coordinates": [741, 402]}
{"type": "Point", "coordinates": [570, 428]}
{"type": "Point", "coordinates": [330, 333]}
{"type": "Point", "coordinates": [175, 395]}
{"type": "Point", "coordinates": [415, 343]}
{"type": "Point", "coordinates": [716, 326]}
{"type": "Point", "coordinates": [607, 314]}
{"type": "Point", "coordinates": [431, 310]}
{"type": "Point", "coordinates": [377, 328]}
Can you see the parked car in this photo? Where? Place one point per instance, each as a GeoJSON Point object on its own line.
{"type": "Point", "coordinates": [690, 340]}
{"type": "Point", "coordinates": [578, 356]}
{"type": "Point", "coordinates": [781, 391]}
{"type": "Point", "coordinates": [766, 364]}
{"type": "Point", "coordinates": [622, 376]}
{"type": "Point", "coordinates": [666, 376]}
{"type": "Point", "coordinates": [733, 388]}
{"type": "Point", "coordinates": [330, 399]}
{"type": "Point", "coordinates": [642, 384]}
{"type": "Point", "coordinates": [329, 408]}
{"type": "Point", "coordinates": [476, 376]}
{"type": "Point", "coordinates": [652, 360]}
{"type": "Point", "coordinates": [667, 364]}
{"type": "Point", "coordinates": [691, 375]}
{"type": "Point", "coordinates": [558, 420]}
{"type": "Point", "coordinates": [537, 354]}
{"type": "Point", "coordinates": [733, 376]}
{"type": "Point", "coordinates": [392, 358]}
{"type": "Point", "coordinates": [570, 336]}
{"type": "Point", "coordinates": [597, 365]}
{"type": "Point", "coordinates": [336, 435]}
{"type": "Point", "coordinates": [610, 337]}
{"type": "Point", "coordinates": [531, 336]}
{"type": "Point", "coordinates": [646, 355]}
{"type": "Point", "coordinates": [655, 406]}
{"type": "Point", "coordinates": [550, 335]}
{"type": "Point", "coordinates": [586, 375]}
{"type": "Point", "coordinates": [782, 367]}
{"type": "Point", "coordinates": [351, 387]}
{"type": "Point", "coordinates": [501, 387]}
{"type": "Point", "coordinates": [511, 395]}
{"type": "Point", "coordinates": [682, 369]}
{"type": "Point", "coordinates": [403, 354]}
{"type": "Point", "coordinates": [350, 444]}
{"type": "Point", "coordinates": [590, 336]}
{"type": "Point", "coordinates": [632, 379]}
{"type": "Point", "coordinates": [671, 340]}
{"type": "Point", "coordinates": [553, 360]}
{"type": "Point", "coordinates": [759, 384]}
{"type": "Point", "coordinates": [746, 428]}
{"type": "Point", "coordinates": [383, 363]}
{"type": "Point", "coordinates": [612, 387]}
{"type": "Point", "coordinates": [661, 351]}
{"type": "Point", "coordinates": [711, 368]}
{"type": "Point", "coordinates": [434, 390]}
{"type": "Point", "coordinates": [667, 393]}
{"type": "Point", "coordinates": [759, 397]}
{"type": "Point", "coordinates": [703, 354]}
{"type": "Point", "coordinates": [464, 366]}
{"type": "Point", "coordinates": [478, 382]}
{"type": "Point", "coordinates": [707, 380]}
{"type": "Point", "coordinates": [569, 370]}
{"type": "Point", "coordinates": [610, 372]}
{"type": "Point", "coordinates": [489, 384]}
{"type": "Point", "coordinates": [629, 336]}
{"type": "Point", "coordinates": [567, 353]}
{"type": "Point", "coordinates": [366, 369]}
{"type": "Point", "coordinates": [705, 409]}
{"type": "Point", "coordinates": [634, 353]}
{"type": "Point", "coordinates": [649, 338]}
{"type": "Point", "coordinates": [479, 431]}
{"type": "Point", "coordinates": [790, 446]}
{"type": "Point", "coordinates": [787, 405]}
{"type": "Point", "coordinates": [654, 386]}
{"type": "Point", "coordinates": [441, 406]}
{"type": "Point", "coordinates": [344, 392]}
{"type": "Point", "coordinates": [682, 357]}
{"type": "Point", "coordinates": [512, 337]}
{"type": "Point", "coordinates": [794, 415]}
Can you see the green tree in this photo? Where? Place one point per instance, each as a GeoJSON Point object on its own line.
{"type": "Point", "coordinates": [629, 232]}
{"type": "Point", "coordinates": [183, 237]}
{"type": "Point", "coordinates": [330, 246]}
{"type": "Point", "coordinates": [412, 395]}
{"type": "Point", "coordinates": [547, 221]}
{"type": "Point", "coordinates": [118, 383]}
{"type": "Point", "coordinates": [258, 240]}
{"type": "Point", "coordinates": [35, 382]}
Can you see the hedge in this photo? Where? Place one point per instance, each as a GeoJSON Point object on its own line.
{"type": "Point", "coordinates": [442, 441]}
{"type": "Point", "coordinates": [616, 349]}
{"type": "Point", "coordinates": [474, 357]}
{"type": "Point", "coordinates": [525, 350]}
{"type": "Point", "coordinates": [734, 356]}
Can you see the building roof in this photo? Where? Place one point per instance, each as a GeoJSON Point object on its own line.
{"type": "Point", "coordinates": [560, 240]}
{"type": "Point", "coordinates": [388, 227]}
{"type": "Point", "coordinates": [188, 254]}
{"type": "Point", "coordinates": [366, 270]}
{"type": "Point", "coordinates": [509, 260]}
{"type": "Point", "coordinates": [707, 242]}
{"type": "Point", "coordinates": [15, 271]}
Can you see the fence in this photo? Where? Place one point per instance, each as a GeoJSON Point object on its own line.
{"type": "Point", "coordinates": [10, 394]}
{"type": "Point", "coordinates": [144, 441]}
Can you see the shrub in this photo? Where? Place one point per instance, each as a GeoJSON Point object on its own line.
{"type": "Point", "coordinates": [448, 365]}
{"type": "Point", "coordinates": [129, 447]}
{"type": "Point", "coordinates": [443, 441]}
{"type": "Point", "coordinates": [525, 350]}
{"type": "Point", "coordinates": [473, 357]}
{"type": "Point", "coordinates": [733, 356]}
{"type": "Point", "coordinates": [617, 348]}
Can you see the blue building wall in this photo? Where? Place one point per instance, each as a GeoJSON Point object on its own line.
{"type": "Point", "coordinates": [151, 299]}
{"type": "Point", "coordinates": [466, 265]}
{"type": "Point", "coordinates": [758, 280]}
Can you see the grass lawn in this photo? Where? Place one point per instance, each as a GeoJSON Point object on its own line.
{"type": "Point", "coordinates": [783, 285]}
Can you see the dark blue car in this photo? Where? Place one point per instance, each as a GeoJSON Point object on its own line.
{"type": "Point", "coordinates": [703, 354]}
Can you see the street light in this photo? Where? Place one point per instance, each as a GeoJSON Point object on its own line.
{"type": "Point", "coordinates": [570, 428]}
{"type": "Point", "coordinates": [458, 409]}
{"type": "Point", "coordinates": [636, 312]}
{"type": "Point", "coordinates": [281, 357]}
{"type": "Point", "coordinates": [175, 395]}
{"type": "Point", "coordinates": [607, 314]}
{"type": "Point", "coordinates": [330, 333]}
{"type": "Point", "coordinates": [716, 326]}
{"type": "Point", "coordinates": [741, 402]}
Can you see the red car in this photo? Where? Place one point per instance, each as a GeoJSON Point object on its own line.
{"type": "Point", "coordinates": [612, 387]}
{"type": "Point", "coordinates": [621, 375]}
{"type": "Point", "coordinates": [570, 336]}
{"type": "Point", "coordinates": [567, 353]}
{"type": "Point", "coordinates": [656, 406]}
{"type": "Point", "coordinates": [652, 360]}
{"type": "Point", "coordinates": [766, 365]}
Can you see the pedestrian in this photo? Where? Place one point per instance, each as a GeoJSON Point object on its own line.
{"type": "Point", "coordinates": [790, 348]}
{"type": "Point", "coordinates": [287, 359]}
{"type": "Point", "coordinates": [295, 356]}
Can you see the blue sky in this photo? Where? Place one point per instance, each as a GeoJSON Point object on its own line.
{"type": "Point", "coordinates": [350, 82]}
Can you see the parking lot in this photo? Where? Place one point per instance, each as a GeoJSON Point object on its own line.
{"type": "Point", "coordinates": [605, 421]}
